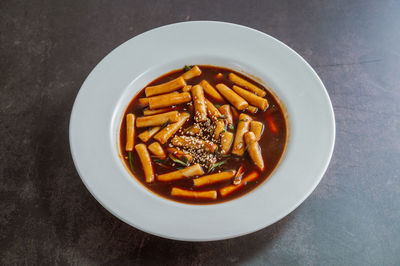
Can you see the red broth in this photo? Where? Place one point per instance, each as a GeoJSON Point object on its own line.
{"type": "Point", "coordinates": [272, 141]}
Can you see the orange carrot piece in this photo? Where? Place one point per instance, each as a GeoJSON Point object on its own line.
{"type": "Point", "coordinates": [271, 124]}
{"type": "Point", "coordinates": [225, 191]}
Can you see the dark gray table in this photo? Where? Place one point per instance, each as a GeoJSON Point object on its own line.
{"type": "Point", "coordinates": [48, 217]}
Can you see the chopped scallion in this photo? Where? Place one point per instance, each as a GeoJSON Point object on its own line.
{"type": "Point", "coordinates": [214, 165]}
{"type": "Point", "coordinates": [130, 160]}
{"type": "Point", "coordinates": [187, 68]}
{"type": "Point", "coordinates": [187, 129]}
{"type": "Point", "coordinates": [166, 123]}
{"type": "Point", "coordinates": [176, 160]}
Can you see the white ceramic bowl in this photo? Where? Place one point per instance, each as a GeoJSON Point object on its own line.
{"type": "Point", "coordinates": [97, 114]}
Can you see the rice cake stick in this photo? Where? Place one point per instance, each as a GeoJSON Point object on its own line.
{"type": "Point", "coordinates": [170, 129]}
{"type": "Point", "coordinates": [169, 86]}
{"type": "Point", "coordinates": [244, 83]}
{"type": "Point", "coordinates": [232, 97]}
{"type": "Point", "coordinates": [194, 170]}
{"type": "Point", "coordinates": [158, 119]}
{"type": "Point", "coordinates": [130, 132]}
{"type": "Point", "coordinates": [209, 194]}
{"type": "Point", "coordinates": [145, 160]}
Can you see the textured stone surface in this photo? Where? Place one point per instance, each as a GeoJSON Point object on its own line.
{"type": "Point", "coordinates": [47, 216]}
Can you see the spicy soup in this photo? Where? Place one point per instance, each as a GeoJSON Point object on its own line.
{"type": "Point", "coordinates": [202, 135]}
